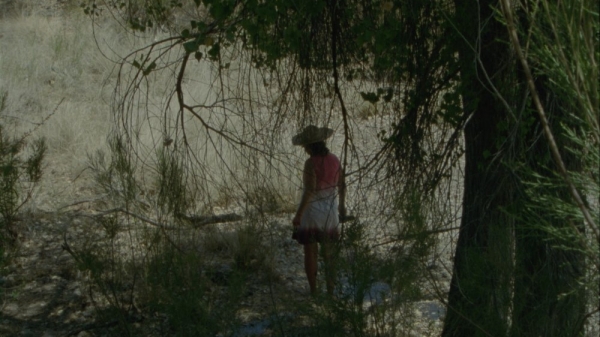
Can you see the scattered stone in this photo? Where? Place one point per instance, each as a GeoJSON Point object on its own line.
{"type": "Point", "coordinates": [11, 309]}
{"type": "Point", "coordinates": [34, 309]}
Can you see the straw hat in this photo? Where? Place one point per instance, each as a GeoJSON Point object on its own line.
{"type": "Point", "coordinates": [311, 134]}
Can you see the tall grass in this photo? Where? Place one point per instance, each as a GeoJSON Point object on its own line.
{"type": "Point", "coordinates": [51, 66]}
{"type": "Point", "coordinates": [58, 72]}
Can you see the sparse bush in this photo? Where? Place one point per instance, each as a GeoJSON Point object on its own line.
{"type": "Point", "coordinates": [157, 266]}
{"type": "Point", "coordinates": [266, 200]}
{"type": "Point", "coordinates": [18, 175]}
{"type": "Point", "coordinates": [251, 253]}
{"type": "Point", "coordinates": [178, 285]}
{"type": "Point", "coordinates": [244, 247]}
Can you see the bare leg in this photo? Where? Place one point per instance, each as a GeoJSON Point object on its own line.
{"type": "Point", "coordinates": [329, 257]}
{"type": "Point", "coordinates": [310, 265]}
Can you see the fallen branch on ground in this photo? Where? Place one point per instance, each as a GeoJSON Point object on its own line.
{"type": "Point", "coordinates": [194, 220]}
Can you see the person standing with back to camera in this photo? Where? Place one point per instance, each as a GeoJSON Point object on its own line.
{"type": "Point", "coordinates": [317, 218]}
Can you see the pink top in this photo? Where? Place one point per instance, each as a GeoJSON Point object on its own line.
{"type": "Point", "coordinates": [327, 170]}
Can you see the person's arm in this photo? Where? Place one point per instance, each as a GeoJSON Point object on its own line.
{"type": "Point", "coordinates": [342, 194]}
{"type": "Point", "coordinates": [309, 180]}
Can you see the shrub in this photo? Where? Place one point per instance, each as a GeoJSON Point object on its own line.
{"type": "Point", "coordinates": [18, 175]}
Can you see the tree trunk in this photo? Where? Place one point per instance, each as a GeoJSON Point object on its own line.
{"type": "Point", "coordinates": [542, 290]}
{"type": "Point", "coordinates": [479, 295]}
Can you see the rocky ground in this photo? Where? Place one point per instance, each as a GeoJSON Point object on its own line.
{"type": "Point", "coordinates": [44, 294]}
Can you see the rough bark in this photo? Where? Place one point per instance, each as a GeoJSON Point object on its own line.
{"type": "Point", "coordinates": [542, 291]}
{"type": "Point", "coordinates": [479, 294]}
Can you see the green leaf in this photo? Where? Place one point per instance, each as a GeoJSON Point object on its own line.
{"type": "Point", "coordinates": [451, 108]}
{"type": "Point", "coordinates": [370, 97]}
{"type": "Point", "coordinates": [221, 10]}
{"type": "Point", "coordinates": [136, 64]}
{"type": "Point", "coordinates": [389, 93]}
{"type": "Point", "coordinates": [200, 25]}
{"type": "Point", "coordinates": [198, 55]}
{"type": "Point", "coordinates": [388, 96]}
{"type": "Point", "coordinates": [191, 46]}
{"type": "Point", "coordinates": [150, 68]}
{"type": "Point", "coordinates": [230, 36]}
{"type": "Point", "coordinates": [214, 52]}
{"type": "Point", "coordinates": [350, 75]}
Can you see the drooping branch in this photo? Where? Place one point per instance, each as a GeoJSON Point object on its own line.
{"type": "Point", "coordinates": [334, 57]}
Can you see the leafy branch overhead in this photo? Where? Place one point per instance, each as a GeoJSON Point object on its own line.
{"type": "Point", "coordinates": [401, 48]}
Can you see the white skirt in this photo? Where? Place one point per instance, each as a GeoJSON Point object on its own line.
{"type": "Point", "coordinates": [320, 219]}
